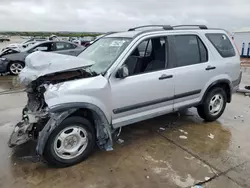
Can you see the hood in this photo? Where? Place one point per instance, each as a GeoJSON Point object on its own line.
{"type": "Point", "coordinates": [39, 64]}
{"type": "Point", "coordinates": [13, 45]}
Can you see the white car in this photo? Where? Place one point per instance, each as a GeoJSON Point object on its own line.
{"type": "Point", "coordinates": [25, 44]}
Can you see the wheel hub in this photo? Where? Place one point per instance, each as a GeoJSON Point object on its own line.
{"type": "Point", "coordinates": [216, 104]}
{"type": "Point", "coordinates": [16, 68]}
{"type": "Point", "coordinates": [71, 142]}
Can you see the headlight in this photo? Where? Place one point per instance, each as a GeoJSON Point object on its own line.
{"type": "Point", "coordinates": [3, 58]}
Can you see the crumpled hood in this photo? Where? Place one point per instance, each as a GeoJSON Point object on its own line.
{"type": "Point", "coordinates": [39, 64]}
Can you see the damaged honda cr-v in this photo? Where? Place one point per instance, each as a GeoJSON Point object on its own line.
{"type": "Point", "coordinates": [77, 102]}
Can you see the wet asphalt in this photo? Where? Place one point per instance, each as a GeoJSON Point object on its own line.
{"type": "Point", "coordinates": [176, 150]}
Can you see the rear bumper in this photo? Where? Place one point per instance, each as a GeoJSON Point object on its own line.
{"type": "Point", "coordinates": [236, 83]}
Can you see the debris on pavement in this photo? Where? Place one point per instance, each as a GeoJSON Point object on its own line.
{"type": "Point", "coordinates": [120, 141]}
{"type": "Point", "coordinates": [243, 90]}
{"type": "Point", "coordinates": [207, 178]}
{"type": "Point", "coordinates": [147, 177]}
{"type": "Point", "coordinates": [211, 136]}
{"type": "Point", "coordinates": [183, 137]}
{"type": "Point", "coordinates": [189, 158]}
{"type": "Point", "coordinates": [162, 128]}
{"type": "Point", "coordinates": [183, 131]}
{"type": "Point", "coordinates": [33, 158]}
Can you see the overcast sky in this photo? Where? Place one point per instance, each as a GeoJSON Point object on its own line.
{"type": "Point", "coordinates": [113, 15]}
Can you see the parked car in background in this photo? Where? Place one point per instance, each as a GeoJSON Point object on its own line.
{"type": "Point", "coordinates": [4, 39]}
{"type": "Point", "coordinates": [8, 51]}
{"type": "Point", "coordinates": [25, 44]}
{"type": "Point", "coordinates": [13, 61]}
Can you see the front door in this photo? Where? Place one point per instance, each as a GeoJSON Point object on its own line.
{"type": "Point", "coordinates": [148, 90]}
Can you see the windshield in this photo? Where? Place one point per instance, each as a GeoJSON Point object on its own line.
{"type": "Point", "coordinates": [26, 41]}
{"type": "Point", "coordinates": [104, 52]}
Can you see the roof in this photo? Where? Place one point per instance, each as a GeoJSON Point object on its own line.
{"type": "Point", "coordinates": [131, 34]}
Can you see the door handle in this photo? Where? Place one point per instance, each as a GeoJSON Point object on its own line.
{"type": "Point", "coordinates": [164, 76]}
{"type": "Point", "coordinates": [210, 67]}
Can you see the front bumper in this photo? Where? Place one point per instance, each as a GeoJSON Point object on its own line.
{"type": "Point", "coordinates": [3, 66]}
{"type": "Point", "coordinates": [25, 129]}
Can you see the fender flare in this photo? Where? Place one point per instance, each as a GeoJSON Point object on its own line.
{"type": "Point", "coordinates": [221, 81]}
{"type": "Point", "coordinates": [60, 112]}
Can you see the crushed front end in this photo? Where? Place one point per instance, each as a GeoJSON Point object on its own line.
{"type": "Point", "coordinates": [34, 117]}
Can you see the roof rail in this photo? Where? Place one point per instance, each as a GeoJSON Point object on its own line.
{"type": "Point", "coordinates": [166, 27]}
{"type": "Point", "coordinates": [199, 26]}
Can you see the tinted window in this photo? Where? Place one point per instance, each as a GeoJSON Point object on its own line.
{"type": "Point", "coordinates": [187, 50]}
{"type": "Point", "coordinates": [148, 56]}
{"type": "Point", "coordinates": [145, 48]}
{"type": "Point", "coordinates": [64, 46]}
{"type": "Point", "coordinates": [222, 44]}
{"type": "Point", "coordinates": [43, 47]}
{"type": "Point", "coordinates": [203, 51]}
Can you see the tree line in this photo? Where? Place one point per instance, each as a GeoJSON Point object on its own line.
{"type": "Point", "coordinates": [47, 34]}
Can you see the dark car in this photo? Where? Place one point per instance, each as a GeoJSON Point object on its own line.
{"type": "Point", "coordinates": [14, 61]}
{"type": "Point", "coordinates": [3, 39]}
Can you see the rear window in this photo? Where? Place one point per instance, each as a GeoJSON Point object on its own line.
{"type": "Point", "coordinates": [222, 44]}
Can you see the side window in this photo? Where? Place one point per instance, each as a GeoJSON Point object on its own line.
{"type": "Point", "coordinates": [222, 44]}
{"type": "Point", "coordinates": [71, 46]}
{"type": "Point", "coordinates": [189, 50]}
{"type": "Point", "coordinates": [46, 47]}
{"type": "Point", "coordinates": [148, 56]}
{"type": "Point", "coordinates": [203, 51]}
{"type": "Point", "coordinates": [60, 46]}
{"type": "Point", "coordinates": [145, 48]}
{"type": "Point", "coordinates": [64, 46]}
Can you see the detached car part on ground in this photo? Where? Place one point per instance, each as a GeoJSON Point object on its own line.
{"type": "Point", "coordinates": [75, 102]}
{"type": "Point", "coordinates": [13, 60]}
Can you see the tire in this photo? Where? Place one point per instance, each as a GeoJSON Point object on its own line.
{"type": "Point", "coordinates": [210, 112]}
{"type": "Point", "coordinates": [51, 154]}
{"type": "Point", "coordinates": [15, 67]}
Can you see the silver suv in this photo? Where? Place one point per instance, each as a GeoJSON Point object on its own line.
{"type": "Point", "coordinates": [123, 78]}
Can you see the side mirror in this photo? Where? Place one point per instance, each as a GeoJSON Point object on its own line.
{"type": "Point", "coordinates": [122, 72]}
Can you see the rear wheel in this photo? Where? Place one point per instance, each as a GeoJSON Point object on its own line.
{"type": "Point", "coordinates": [15, 67]}
{"type": "Point", "coordinates": [213, 105]}
{"type": "Point", "coordinates": [70, 143]}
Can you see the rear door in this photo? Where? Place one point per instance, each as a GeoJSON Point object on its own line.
{"type": "Point", "coordinates": [192, 68]}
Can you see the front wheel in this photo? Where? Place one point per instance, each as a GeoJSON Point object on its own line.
{"type": "Point", "coordinates": [213, 105]}
{"type": "Point", "coordinates": [70, 143]}
{"type": "Point", "coordinates": [15, 67]}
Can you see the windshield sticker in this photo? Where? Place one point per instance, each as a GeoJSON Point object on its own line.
{"type": "Point", "coordinates": [117, 43]}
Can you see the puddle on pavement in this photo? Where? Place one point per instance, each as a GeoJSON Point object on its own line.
{"type": "Point", "coordinates": [9, 83]}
